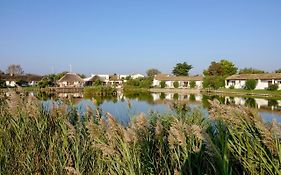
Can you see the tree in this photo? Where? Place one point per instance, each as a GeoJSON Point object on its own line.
{"type": "Point", "coordinates": [251, 71]}
{"type": "Point", "coordinates": [251, 84]}
{"type": "Point", "coordinates": [1, 72]}
{"type": "Point", "coordinates": [228, 68]}
{"type": "Point", "coordinates": [151, 72]}
{"type": "Point", "coordinates": [215, 69]}
{"type": "Point", "coordinates": [176, 84]}
{"type": "Point", "coordinates": [222, 68]}
{"type": "Point", "coordinates": [192, 84]}
{"type": "Point", "coordinates": [14, 69]}
{"type": "Point", "coordinates": [162, 84]}
{"type": "Point", "coordinates": [278, 71]}
{"type": "Point", "coordinates": [182, 69]}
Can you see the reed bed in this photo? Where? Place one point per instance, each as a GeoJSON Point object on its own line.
{"type": "Point", "coordinates": [232, 140]}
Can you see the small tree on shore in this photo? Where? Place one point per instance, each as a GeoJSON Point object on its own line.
{"type": "Point", "coordinates": [162, 84]}
{"type": "Point", "coordinates": [176, 84]}
{"type": "Point", "coordinates": [192, 84]}
{"type": "Point", "coordinates": [251, 84]}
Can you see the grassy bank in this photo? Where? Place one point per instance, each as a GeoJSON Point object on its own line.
{"type": "Point", "coordinates": [100, 91]}
{"type": "Point", "coordinates": [232, 140]}
{"type": "Point", "coordinates": [244, 92]}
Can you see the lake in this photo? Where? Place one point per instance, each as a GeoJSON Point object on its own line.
{"type": "Point", "coordinates": [125, 106]}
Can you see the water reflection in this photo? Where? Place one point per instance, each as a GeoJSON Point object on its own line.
{"type": "Point", "coordinates": [126, 105]}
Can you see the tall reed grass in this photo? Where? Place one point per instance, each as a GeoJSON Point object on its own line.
{"type": "Point", "coordinates": [232, 140]}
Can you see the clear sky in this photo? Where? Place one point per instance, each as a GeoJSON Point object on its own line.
{"type": "Point", "coordinates": [130, 36]}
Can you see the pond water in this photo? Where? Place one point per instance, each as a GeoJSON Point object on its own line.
{"type": "Point", "coordinates": [126, 106]}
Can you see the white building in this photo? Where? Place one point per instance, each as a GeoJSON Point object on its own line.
{"type": "Point", "coordinates": [71, 80]}
{"type": "Point", "coordinates": [22, 80]}
{"type": "Point", "coordinates": [238, 81]}
{"type": "Point", "coordinates": [184, 81]}
{"type": "Point", "coordinates": [135, 76]}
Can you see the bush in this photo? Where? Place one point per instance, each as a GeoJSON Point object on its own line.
{"type": "Point", "coordinates": [273, 87]}
{"type": "Point", "coordinates": [214, 82]}
{"type": "Point", "coordinates": [250, 84]}
{"type": "Point", "coordinates": [192, 84]}
{"type": "Point", "coordinates": [140, 82]}
{"type": "Point", "coordinates": [162, 84]}
{"type": "Point", "coordinates": [176, 84]}
{"type": "Point", "coordinates": [231, 87]}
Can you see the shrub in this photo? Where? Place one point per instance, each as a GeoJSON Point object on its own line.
{"type": "Point", "coordinates": [250, 84]}
{"type": "Point", "coordinates": [231, 87]}
{"type": "Point", "coordinates": [273, 87]}
{"type": "Point", "coordinates": [192, 84]}
{"type": "Point", "coordinates": [162, 84]}
{"type": "Point", "coordinates": [176, 84]}
{"type": "Point", "coordinates": [214, 82]}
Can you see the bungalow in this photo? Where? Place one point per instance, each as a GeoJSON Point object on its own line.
{"type": "Point", "coordinates": [184, 81]}
{"type": "Point", "coordinates": [22, 80]}
{"type": "Point", "coordinates": [71, 80]}
{"type": "Point", "coordinates": [238, 81]}
{"type": "Point", "coordinates": [135, 76]}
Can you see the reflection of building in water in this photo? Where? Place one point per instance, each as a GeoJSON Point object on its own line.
{"type": "Point", "coordinates": [181, 97]}
{"type": "Point", "coordinates": [66, 95]}
{"type": "Point", "coordinates": [254, 102]}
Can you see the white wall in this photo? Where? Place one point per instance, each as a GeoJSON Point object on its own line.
{"type": "Point", "coordinates": [240, 84]}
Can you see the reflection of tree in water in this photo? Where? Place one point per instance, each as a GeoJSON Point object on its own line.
{"type": "Point", "coordinates": [251, 102]}
{"type": "Point", "coordinates": [142, 96]}
{"type": "Point", "coordinates": [180, 109]}
{"type": "Point", "coordinates": [272, 102]}
{"type": "Point", "coordinates": [205, 99]}
{"type": "Point", "coordinates": [192, 97]}
{"type": "Point", "coordinates": [162, 95]}
{"type": "Point", "coordinates": [45, 96]}
{"type": "Point", "coordinates": [176, 96]}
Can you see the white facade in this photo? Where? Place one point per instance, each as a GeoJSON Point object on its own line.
{"type": "Point", "coordinates": [11, 83]}
{"type": "Point", "coordinates": [135, 76]}
{"type": "Point", "coordinates": [182, 84]}
{"type": "Point", "coordinates": [261, 84]}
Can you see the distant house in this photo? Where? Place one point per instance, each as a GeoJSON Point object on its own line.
{"type": "Point", "coordinates": [115, 80]}
{"type": "Point", "coordinates": [184, 81]}
{"type": "Point", "coordinates": [263, 80]}
{"type": "Point", "coordinates": [90, 80]}
{"type": "Point", "coordinates": [71, 80]}
{"type": "Point", "coordinates": [21, 80]}
{"type": "Point", "coordinates": [135, 76]}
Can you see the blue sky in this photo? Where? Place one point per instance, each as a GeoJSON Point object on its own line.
{"type": "Point", "coordinates": [130, 36]}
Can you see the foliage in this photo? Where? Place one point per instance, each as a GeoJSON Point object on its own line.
{"type": "Point", "coordinates": [34, 140]}
{"type": "Point", "coordinates": [22, 83]}
{"type": "Point", "coordinates": [278, 71]}
{"type": "Point", "coordinates": [192, 84]}
{"type": "Point", "coordinates": [152, 72]}
{"type": "Point", "coordinates": [251, 71]}
{"type": "Point", "coordinates": [182, 69]}
{"type": "Point", "coordinates": [50, 80]}
{"type": "Point", "coordinates": [162, 84]}
{"type": "Point", "coordinates": [232, 87]}
{"type": "Point", "coordinates": [228, 67]}
{"type": "Point", "coordinates": [99, 91]}
{"type": "Point", "coordinates": [14, 69]}
{"type": "Point", "coordinates": [145, 82]}
{"type": "Point", "coordinates": [176, 84]}
{"type": "Point", "coordinates": [273, 87]}
{"type": "Point", "coordinates": [2, 84]}
{"type": "Point", "coordinates": [98, 82]}
{"type": "Point", "coordinates": [222, 68]}
{"type": "Point", "coordinates": [217, 72]}
{"type": "Point", "coordinates": [214, 82]}
{"type": "Point", "coordinates": [250, 84]}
